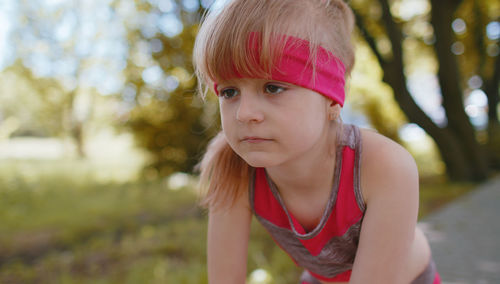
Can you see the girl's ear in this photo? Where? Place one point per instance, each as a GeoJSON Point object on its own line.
{"type": "Point", "coordinates": [334, 111]}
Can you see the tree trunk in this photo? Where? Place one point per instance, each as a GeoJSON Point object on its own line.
{"type": "Point", "coordinates": [461, 163]}
{"type": "Point", "coordinates": [491, 89]}
{"type": "Point", "coordinates": [449, 148]}
{"type": "Point", "coordinates": [73, 127]}
{"type": "Point", "coordinates": [449, 80]}
{"type": "Point", "coordinates": [78, 137]}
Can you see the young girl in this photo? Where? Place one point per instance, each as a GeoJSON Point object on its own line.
{"type": "Point", "coordinates": [340, 200]}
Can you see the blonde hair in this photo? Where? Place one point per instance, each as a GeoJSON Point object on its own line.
{"type": "Point", "coordinates": [221, 46]}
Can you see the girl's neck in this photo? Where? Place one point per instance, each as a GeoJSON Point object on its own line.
{"type": "Point", "coordinates": [309, 173]}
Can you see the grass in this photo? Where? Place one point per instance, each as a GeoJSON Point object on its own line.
{"type": "Point", "coordinates": [61, 224]}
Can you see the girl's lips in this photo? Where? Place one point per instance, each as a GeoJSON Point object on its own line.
{"type": "Point", "coordinates": [255, 139]}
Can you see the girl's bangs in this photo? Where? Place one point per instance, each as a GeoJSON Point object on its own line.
{"type": "Point", "coordinates": [249, 54]}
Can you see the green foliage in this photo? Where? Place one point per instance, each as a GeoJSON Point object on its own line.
{"type": "Point", "coordinates": [369, 95]}
{"type": "Point", "coordinates": [37, 105]}
{"type": "Point", "coordinates": [479, 51]}
{"type": "Point", "coordinates": [172, 132]}
{"type": "Point", "coordinates": [169, 122]}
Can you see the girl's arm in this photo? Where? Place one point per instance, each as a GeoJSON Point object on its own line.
{"type": "Point", "coordinates": [390, 188]}
{"type": "Point", "coordinates": [228, 233]}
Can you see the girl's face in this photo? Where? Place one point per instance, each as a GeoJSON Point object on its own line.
{"type": "Point", "coordinates": [269, 123]}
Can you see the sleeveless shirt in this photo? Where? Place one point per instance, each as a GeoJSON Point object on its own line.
{"type": "Point", "coordinates": [327, 251]}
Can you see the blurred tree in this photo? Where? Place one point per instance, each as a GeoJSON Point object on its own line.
{"type": "Point", "coordinates": [82, 46]}
{"type": "Point", "coordinates": [369, 95]}
{"type": "Point", "coordinates": [167, 118]}
{"type": "Point", "coordinates": [397, 37]}
{"type": "Point", "coordinates": [61, 41]}
{"type": "Point", "coordinates": [33, 103]}
{"type": "Point", "coordinates": [480, 61]}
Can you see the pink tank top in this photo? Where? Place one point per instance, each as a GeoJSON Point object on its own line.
{"type": "Point", "coordinates": [327, 251]}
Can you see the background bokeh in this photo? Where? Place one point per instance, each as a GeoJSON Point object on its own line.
{"type": "Point", "coordinates": [101, 126]}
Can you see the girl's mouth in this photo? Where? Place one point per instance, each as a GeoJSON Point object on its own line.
{"type": "Point", "coordinates": [252, 139]}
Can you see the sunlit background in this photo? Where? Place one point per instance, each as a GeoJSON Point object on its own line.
{"type": "Point", "coordinates": [101, 127]}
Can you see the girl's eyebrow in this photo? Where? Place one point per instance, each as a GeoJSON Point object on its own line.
{"type": "Point", "coordinates": [278, 83]}
{"type": "Point", "coordinates": [222, 86]}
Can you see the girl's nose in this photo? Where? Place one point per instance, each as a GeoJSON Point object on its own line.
{"type": "Point", "coordinates": [249, 109]}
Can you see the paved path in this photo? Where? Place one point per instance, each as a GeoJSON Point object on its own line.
{"type": "Point", "coordinates": [465, 237]}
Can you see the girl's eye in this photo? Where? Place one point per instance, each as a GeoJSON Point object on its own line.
{"type": "Point", "coordinates": [228, 93]}
{"type": "Point", "coordinates": [273, 89]}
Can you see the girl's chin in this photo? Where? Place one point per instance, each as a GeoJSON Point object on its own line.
{"type": "Point", "coordinates": [260, 162]}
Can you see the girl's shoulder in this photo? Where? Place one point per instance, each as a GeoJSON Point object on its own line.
{"type": "Point", "coordinates": [372, 140]}
{"type": "Point", "coordinates": [384, 162]}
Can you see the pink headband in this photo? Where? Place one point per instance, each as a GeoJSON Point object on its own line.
{"type": "Point", "coordinates": [293, 68]}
